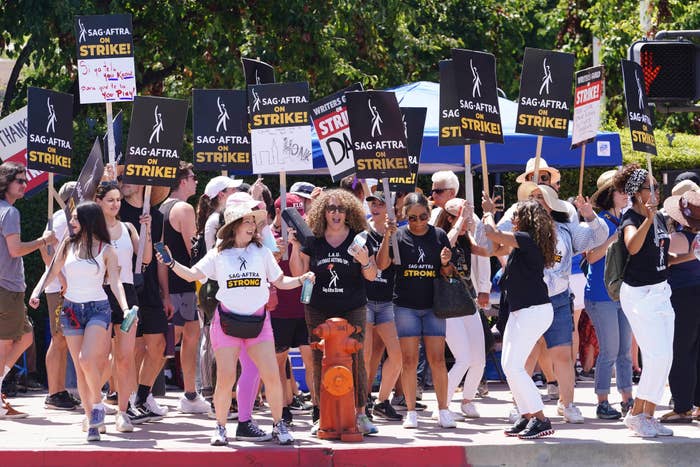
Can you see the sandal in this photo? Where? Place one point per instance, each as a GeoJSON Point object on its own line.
{"type": "Point", "coordinates": [675, 417]}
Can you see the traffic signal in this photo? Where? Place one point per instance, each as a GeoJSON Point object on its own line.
{"type": "Point", "coordinates": [670, 69]}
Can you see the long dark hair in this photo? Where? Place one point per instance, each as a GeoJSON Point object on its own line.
{"type": "Point", "coordinates": [8, 173]}
{"type": "Point", "coordinates": [92, 226]}
{"type": "Point", "coordinates": [205, 208]}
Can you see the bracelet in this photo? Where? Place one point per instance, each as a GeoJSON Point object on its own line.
{"type": "Point", "coordinates": [172, 265]}
{"type": "Point", "coordinates": [301, 282]}
{"type": "Point", "coordinates": [367, 266]}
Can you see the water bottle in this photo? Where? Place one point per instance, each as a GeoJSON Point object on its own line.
{"type": "Point", "coordinates": [129, 319]}
{"type": "Point", "coordinates": [696, 246]}
{"type": "Point", "coordinates": [306, 289]}
{"type": "Point", "coordinates": [268, 239]}
{"type": "Point", "coordinates": [169, 351]}
{"type": "Point", "coordinates": [357, 243]}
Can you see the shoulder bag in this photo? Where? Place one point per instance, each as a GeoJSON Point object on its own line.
{"type": "Point", "coordinates": [616, 259]}
{"type": "Point", "coordinates": [452, 295]}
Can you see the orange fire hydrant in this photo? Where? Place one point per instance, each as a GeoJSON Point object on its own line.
{"type": "Point", "coordinates": [337, 385]}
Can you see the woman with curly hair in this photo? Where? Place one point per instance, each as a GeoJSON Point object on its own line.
{"type": "Point", "coordinates": [335, 218]}
{"type": "Point", "coordinates": [534, 242]}
{"type": "Point", "coordinates": [645, 294]}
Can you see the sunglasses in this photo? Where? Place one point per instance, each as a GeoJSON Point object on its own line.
{"type": "Point", "coordinates": [423, 217]}
{"type": "Point", "coordinates": [333, 208]}
{"type": "Point", "coordinates": [439, 191]}
{"type": "Point", "coordinates": [110, 183]}
{"type": "Point", "coordinates": [193, 177]}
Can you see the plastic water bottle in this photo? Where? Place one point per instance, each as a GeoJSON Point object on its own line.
{"type": "Point", "coordinates": [357, 243]}
{"type": "Point", "coordinates": [129, 319]}
{"type": "Point", "coordinates": [696, 246]}
{"type": "Point", "coordinates": [306, 290]}
{"type": "Point", "coordinates": [268, 239]}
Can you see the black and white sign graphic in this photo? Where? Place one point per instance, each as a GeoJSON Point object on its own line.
{"type": "Point", "coordinates": [414, 123]}
{"type": "Point", "coordinates": [49, 131]}
{"type": "Point", "coordinates": [449, 119]}
{"type": "Point", "coordinates": [639, 114]}
{"type": "Point", "coordinates": [257, 72]}
{"type": "Point", "coordinates": [89, 178]}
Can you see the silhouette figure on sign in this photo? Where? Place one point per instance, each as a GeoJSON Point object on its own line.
{"type": "Point", "coordinates": [157, 126]}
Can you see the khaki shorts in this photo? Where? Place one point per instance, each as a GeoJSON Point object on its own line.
{"type": "Point", "coordinates": [14, 322]}
{"type": "Point", "coordinates": [54, 302]}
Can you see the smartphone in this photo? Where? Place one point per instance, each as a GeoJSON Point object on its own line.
{"type": "Point", "coordinates": [160, 248]}
{"type": "Point", "coordinates": [499, 197]}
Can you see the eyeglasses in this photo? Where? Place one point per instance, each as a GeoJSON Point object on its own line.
{"type": "Point", "coordinates": [648, 187]}
{"type": "Point", "coordinates": [544, 177]}
{"type": "Point", "coordinates": [21, 181]}
{"type": "Point", "coordinates": [333, 208]}
{"type": "Point", "coordinates": [439, 191]}
{"type": "Point", "coordinates": [423, 217]}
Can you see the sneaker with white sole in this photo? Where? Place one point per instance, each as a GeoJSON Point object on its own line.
{"type": "Point", "coordinates": [123, 423]}
{"type": "Point", "coordinates": [219, 436]}
{"type": "Point", "coordinates": [411, 419]}
{"type": "Point", "coordinates": [249, 431]}
{"type": "Point", "coordinates": [386, 410]}
{"type": "Point", "coordinates": [513, 414]}
{"type": "Point", "coordinates": [517, 427]}
{"type": "Point", "coordinates": [572, 414]}
{"type": "Point", "coordinates": [86, 426]}
{"type": "Point", "coordinates": [93, 434]}
{"type": "Point", "coordinates": [537, 429]}
{"type": "Point", "coordinates": [445, 419]}
{"type": "Point", "coordinates": [97, 416]}
{"type": "Point", "coordinates": [364, 425]}
{"type": "Point", "coordinates": [553, 390]}
{"type": "Point", "coordinates": [281, 433]}
{"type": "Point", "coordinates": [661, 430]}
{"type": "Point", "coordinates": [469, 410]}
{"type": "Point", "coordinates": [153, 406]}
{"type": "Point", "coordinates": [640, 426]}
{"type": "Point", "coordinates": [315, 427]}
{"type": "Point", "coordinates": [198, 405]}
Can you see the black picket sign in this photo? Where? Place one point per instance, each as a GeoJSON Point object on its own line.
{"type": "Point", "coordinates": [639, 115]}
{"type": "Point", "coordinates": [414, 123]}
{"type": "Point", "coordinates": [257, 72]}
{"type": "Point", "coordinates": [449, 119]}
{"type": "Point", "coordinates": [89, 178]}
{"type": "Point", "coordinates": [49, 131]}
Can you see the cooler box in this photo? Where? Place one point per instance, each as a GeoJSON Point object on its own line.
{"type": "Point", "coordinates": [298, 369]}
{"type": "Point", "coordinates": [493, 370]}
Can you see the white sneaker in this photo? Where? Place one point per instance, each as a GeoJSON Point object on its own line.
{"type": "Point", "coordinates": [456, 416]}
{"type": "Point", "coordinates": [661, 430]}
{"type": "Point", "coordinates": [469, 410]}
{"type": "Point", "coordinates": [445, 419]}
{"type": "Point", "coordinates": [153, 406]}
{"type": "Point", "coordinates": [110, 410]}
{"type": "Point", "coordinates": [640, 425]}
{"type": "Point", "coordinates": [411, 419]}
{"type": "Point", "coordinates": [86, 425]}
{"type": "Point", "coordinates": [572, 414]}
{"type": "Point", "coordinates": [514, 414]}
{"type": "Point", "coordinates": [553, 391]}
{"type": "Point", "coordinates": [198, 405]}
{"type": "Point", "coordinates": [560, 409]}
{"type": "Point", "coordinates": [545, 397]}
{"type": "Point", "coordinates": [123, 423]}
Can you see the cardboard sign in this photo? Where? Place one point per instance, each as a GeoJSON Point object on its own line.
{"type": "Point", "coordinates": [117, 129]}
{"type": "Point", "coordinates": [378, 135]}
{"type": "Point", "coordinates": [475, 74]}
{"type": "Point", "coordinates": [13, 147]}
{"type": "Point", "coordinates": [220, 130]}
{"type": "Point", "coordinates": [545, 93]}
{"type": "Point", "coordinates": [639, 115]}
{"type": "Point", "coordinates": [588, 96]}
{"type": "Point", "coordinates": [49, 131]}
{"type": "Point", "coordinates": [280, 133]}
{"type": "Point", "coordinates": [87, 182]}
{"type": "Point", "coordinates": [155, 141]}
{"type": "Point", "coordinates": [105, 58]}
{"type": "Point", "coordinates": [414, 122]}
{"type": "Point", "coordinates": [257, 72]}
{"type": "Point", "coordinates": [330, 117]}
{"type": "Point", "coordinates": [449, 119]}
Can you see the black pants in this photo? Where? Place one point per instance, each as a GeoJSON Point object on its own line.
{"type": "Point", "coordinates": [683, 378]}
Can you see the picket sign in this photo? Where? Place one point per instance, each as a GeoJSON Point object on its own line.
{"type": "Point", "coordinates": [484, 166]}
{"type": "Point", "coordinates": [391, 214]}
{"type": "Point", "coordinates": [580, 173]}
{"type": "Point", "coordinates": [538, 154]}
{"type": "Point", "coordinates": [143, 233]}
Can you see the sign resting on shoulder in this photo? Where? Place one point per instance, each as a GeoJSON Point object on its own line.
{"type": "Point", "coordinates": [545, 93]}
{"type": "Point", "coordinates": [50, 131]}
{"type": "Point", "coordinates": [414, 123]}
{"type": "Point", "coordinates": [330, 117]}
{"type": "Point", "coordinates": [639, 115]}
{"type": "Point", "coordinates": [257, 72]}
{"type": "Point", "coordinates": [155, 140]}
{"type": "Point", "coordinates": [378, 135]}
{"type": "Point", "coordinates": [89, 178]}
{"type": "Point", "coordinates": [105, 58]}
{"type": "Point", "coordinates": [449, 120]}
{"type": "Point", "coordinates": [280, 133]}
{"type": "Point", "coordinates": [588, 95]}
{"type": "Point", "coordinates": [13, 147]}
{"type": "Point", "coordinates": [475, 75]}
{"type": "Point", "coordinates": [220, 130]}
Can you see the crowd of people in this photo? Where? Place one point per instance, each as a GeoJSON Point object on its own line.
{"type": "Point", "coordinates": [222, 280]}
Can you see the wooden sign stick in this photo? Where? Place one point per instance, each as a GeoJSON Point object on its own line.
{"type": "Point", "coordinates": [110, 138]}
{"type": "Point", "coordinates": [391, 214]}
{"type": "Point", "coordinates": [538, 154]}
{"type": "Point", "coordinates": [484, 167]}
{"type": "Point", "coordinates": [142, 232]}
{"type": "Point", "coordinates": [580, 173]}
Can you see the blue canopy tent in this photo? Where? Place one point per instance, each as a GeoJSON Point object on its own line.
{"type": "Point", "coordinates": [605, 151]}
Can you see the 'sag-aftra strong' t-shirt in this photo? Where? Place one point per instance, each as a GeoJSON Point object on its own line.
{"type": "Point", "coordinates": [525, 286]}
{"type": "Point", "coordinates": [649, 266]}
{"type": "Point", "coordinates": [243, 275]}
{"type": "Point", "coordinates": [339, 286]}
{"type": "Point", "coordinates": [420, 266]}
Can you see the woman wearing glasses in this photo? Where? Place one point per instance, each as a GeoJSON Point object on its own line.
{"type": "Point", "coordinates": [424, 250]}
{"type": "Point", "coordinates": [88, 259]}
{"type": "Point", "coordinates": [335, 218]}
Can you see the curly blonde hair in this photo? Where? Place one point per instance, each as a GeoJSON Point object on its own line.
{"type": "Point", "coordinates": [533, 219]}
{"type": "Point", "coordinates": [354, 213]}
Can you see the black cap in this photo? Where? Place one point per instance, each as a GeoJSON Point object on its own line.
{"type": "Point", "coordinates": [687, 176]}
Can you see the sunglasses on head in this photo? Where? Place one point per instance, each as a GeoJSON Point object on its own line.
{"type": "Point", "coordinates": [333, 208]}
{"type": "Point", "coordinates": [422, 217]}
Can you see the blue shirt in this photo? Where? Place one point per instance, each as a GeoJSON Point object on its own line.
{"type": "Point", "coordinates": [595, 290]}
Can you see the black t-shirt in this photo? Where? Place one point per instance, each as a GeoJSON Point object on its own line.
{"type": "Point", "coordinates": [420, 265]}
{"type": "Point", "coordinates": [650, 265]}
{"type": "Point", "coordinates": [524, 275]}
{"type": "Point", "coordinates": [462, 259]}
{"type": "Point", "coordinates": [380, 289]}
{"type": "Point", "coordinates": [339, 286]}
{"type": "Point", "coordinates": [150, 293]}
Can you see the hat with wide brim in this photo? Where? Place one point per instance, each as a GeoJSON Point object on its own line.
{"type": "Point", "coordinates": [604, 182]}
{"type": "Point", "coordinates": [525, 190]}
{"type": "Point", "coordinates": [683, 186]}
{"type": "Point", "coordinates": [530, 169]}
{"type": "Point", "coordinates": [237, 211]}
{"type": "Point", "coordinates": [552, 199]}
{"type": "Point", "coordinates": [684, 209]}
{"type": "Point", "coordinates": [158, 193]}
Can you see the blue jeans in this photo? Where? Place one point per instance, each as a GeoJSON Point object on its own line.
{"type": "Point", "coordinates": [615, 341]}
{"type": "Point", "coordinates": [560, 332]}
{"type": "Point", "coordinates": [76, 317]}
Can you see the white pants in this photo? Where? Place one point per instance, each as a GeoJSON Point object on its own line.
{"type": "Point", "coordinates": [465, 337]}
{"type": "Point", "coordinates": [650, 314]}
{"type": "Point", "coordinates": [523, 329]}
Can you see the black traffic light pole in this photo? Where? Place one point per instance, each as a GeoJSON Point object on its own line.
{"type": "Point", "coordinates": [679, 34]}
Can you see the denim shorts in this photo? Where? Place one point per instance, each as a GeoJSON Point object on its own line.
{"type": "Point", "coordinates": [562, 327]}
{"type": "Point", "coordinates": [416, 323]}
{"type": "Point", "coordinates": [76, 317]}
{"type": "Point", "coordinates": [380, 312]}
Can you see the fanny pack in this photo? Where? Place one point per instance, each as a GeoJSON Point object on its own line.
{"type": "Point", "coordinates": [241, 326]}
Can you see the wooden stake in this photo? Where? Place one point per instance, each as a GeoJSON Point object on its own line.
{"type": "Point", "coordinates": [110, 138]}
{"type": "Point", "coordinates": [484, 167]}
{"type": "Point", "coordinates": [468, 179]}
{"type": "Point", "coordinates": [142, 232]}
{"type": "Point", "coordinates": [580, 173]}
{"type": "Point", "coordinates": [49, 212]}
{"type": "Point", "coordinates": [283, 204]}
{"type": "Point", "coordinates": [389, 199]}
{"type": "Point", "coordinates": [538, 153]}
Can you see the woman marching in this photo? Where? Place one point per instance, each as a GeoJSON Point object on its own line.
{"type": "Point", "coordinates": [88, 259]}
{"type": "Point", "coordinates": [243, 268]}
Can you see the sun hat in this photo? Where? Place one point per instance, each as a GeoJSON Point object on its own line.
{"type": "Point", "coordinates": [235, 211]}
{"type": "Point", "coordinates": [552, 199]}
{"type": "Point", "coordinates": [683, 186]}
{"type": "Point", "coordinates": [220, 183]}
{"type": "Point", "coordinates": [158, 193]}
{"type": "Point", "coordinates": [684, 209]}
{"type": "Point", "coordinates": [530, 169]}
{"type": "Point", "coordinates": [525, 190]}
{"type": "Point", "coordinates": [604, 182]}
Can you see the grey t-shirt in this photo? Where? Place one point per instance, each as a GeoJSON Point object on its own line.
{"type": "Point", "coordinates": [11, 269]}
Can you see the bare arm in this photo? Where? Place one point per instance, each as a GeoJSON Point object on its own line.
{"type": "Point", "coordinates": [112, 264]}
{"type": "Point", "coordinates": [18, 248]}
{"type": "Point", "coordinates": [383, 258]}
{"type": "Point", "coordinates": [298, 261]}
{"type": "Point", "coordinates": [185, 223]}
{"type": "Point", "coordinates": [287, 282]}
{"type": "Point", "coordinates": [497, 236]}
{"type": "Point", "coordinates": [596, 254]}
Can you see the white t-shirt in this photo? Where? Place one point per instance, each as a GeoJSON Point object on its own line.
{"type": "Point", "coordinates": [60, 229]}
{"type": "Point", "coordinates": [243, 275]}
{"type": "Point", "coordinates": [211, 226]}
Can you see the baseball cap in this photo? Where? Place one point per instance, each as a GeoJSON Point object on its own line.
{"type": "Point", "coordinates": [302, 189]}
{"type": "Point", "coordinates": [220, 183]}
{"type": "Point", "coordinates": [293, 201]}
{"type": "Point", "coordinates": [377, 195]}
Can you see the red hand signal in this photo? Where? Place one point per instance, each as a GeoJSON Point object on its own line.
{"type": "Point", "coordinates": [650, 71]}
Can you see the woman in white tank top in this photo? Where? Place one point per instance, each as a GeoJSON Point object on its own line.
{"type": "Point", "coordinates": [88, 258]}
{"type": "Point", "coordinates": [125, 241]}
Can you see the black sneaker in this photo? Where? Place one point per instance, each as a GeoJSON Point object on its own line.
{"type": "Point", "coordinates": [76, 400]}
{"type": "Point", "coordinates": [625, 406]}
{"type": "Point", "coordinates": [536, 429]}
{"type": "Point", "coordinates": [605, 412]}
{"type": "Point", "coordinates": [112, 398]}
{"type": "Point", "coordinates": [368, 412]}
{"type": "Point", "coordinates": [287, 415]}
{"type": "Point", "coordinates": [151, 415]}
{"type": "Point", "coordinates": [249, 431]}
{"type": "Point", "coordinates": [136, 416]}
{"type": "Point", "coordinates": [315, 414]}
{"type": "Point", "coordinates": [399, 403]}
{"type": "Point", "coordinates": [59, 401]}
{"type": "Point", "coordinates": [298, 405]}
{"type": "Point", "coordinates": [30, 383]}
{"type": "Point", "coordinates": [385, 410]}
{"type": "Point", "coordinates": [519, 426]}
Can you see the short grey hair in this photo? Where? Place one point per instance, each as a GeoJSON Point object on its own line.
{"type": "Point", "coordinates": [448, 179]}
{"type": "Point", "coordinates": [66, 190]}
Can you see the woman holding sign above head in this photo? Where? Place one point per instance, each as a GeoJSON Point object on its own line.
{"type": "Point", "coordinates": [244, 269]}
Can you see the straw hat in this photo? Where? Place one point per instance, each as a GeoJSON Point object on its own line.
{"type": "Point", "coordinates": [158, 193]}
{"type": "Point", "coordinates": [683, 186]}
{"type": "Point", "coordinates": [605, 181]}
{"type": "Point", "coordinates": [684, 209]}
{"type": "Point", "coordinates": [552, 199]}
{"type": "Point", "coordinates": [530, 169]}
{"type": "Point", "coordinates": [235, 211]}
{"type": "Point", "coordinates": [525, 190]}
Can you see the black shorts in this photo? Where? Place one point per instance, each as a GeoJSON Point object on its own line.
{"type": "Point", "coordinates": [131, 299]}
{"type": "Point", "coordinates": [152, 320]}
{"type": "Point", "coordinates": [289, 332]}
